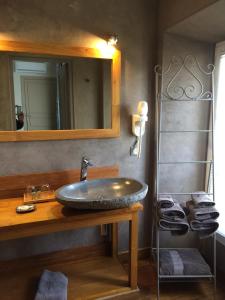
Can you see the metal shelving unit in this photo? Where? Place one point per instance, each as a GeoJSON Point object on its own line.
{"type": "Point", "coordinates": [176, 92]}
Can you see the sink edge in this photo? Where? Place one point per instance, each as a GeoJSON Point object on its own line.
{"type": "Point", "coordinates": [101, 204]}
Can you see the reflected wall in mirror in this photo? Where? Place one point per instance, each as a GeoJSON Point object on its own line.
{"type": "Point", "coordinates": [55, 93]}
{"type": "Point", "coordinates": [50, 92]}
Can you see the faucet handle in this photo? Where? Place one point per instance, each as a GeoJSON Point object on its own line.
{"type": "Point", "coordinates": [86, 161]}
{"type": "Point", "coordinates": [90, 163]}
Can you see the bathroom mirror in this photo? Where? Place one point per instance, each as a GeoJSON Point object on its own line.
{"type": "Point", "coordinates": [55, 92]}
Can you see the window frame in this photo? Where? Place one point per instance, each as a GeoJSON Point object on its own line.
{"type": "Point", "coordinates": [219, 52]}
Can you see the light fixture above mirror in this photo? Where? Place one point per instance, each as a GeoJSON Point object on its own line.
{"type": "Point", "coordinates": [112, 40]}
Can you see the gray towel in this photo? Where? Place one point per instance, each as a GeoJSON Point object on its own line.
{"type": "Point", "coordinates": [52, 286]}
{"type": "Point", "coordinates": [204, 228]}
{"type": "Point", "coordinates": [176, 227]}
{"type": "Point", "coordinates": [201, 199]}
{"type": "Point", "coordinates": [174, 213]}
{"type": "Point", "coordinates": [203, 213]}
{"type": "Point", "coordinates": [182, 262]}
{"type": "Point", "coordinates": [165, 201]}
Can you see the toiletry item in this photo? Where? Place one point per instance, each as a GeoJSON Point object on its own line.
{"type": "Point", "coordinates": [21, 209]}
{"type": "Point", "coordinates": [38, 194]}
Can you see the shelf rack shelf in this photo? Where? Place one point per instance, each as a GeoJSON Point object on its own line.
{"type": "Point", "coordinates": [185, 131]}
{"type": "Point", "coordinates": [174, 92]}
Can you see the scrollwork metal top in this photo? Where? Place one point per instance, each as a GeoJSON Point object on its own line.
{"type": "Point", "coordinates": [191, 88]}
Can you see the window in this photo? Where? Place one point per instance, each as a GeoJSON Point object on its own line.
{"type": "Point", "coordinates": [219, 140]}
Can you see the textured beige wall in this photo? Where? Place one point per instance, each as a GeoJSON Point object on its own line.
{"type": "Point", "coordinates": [186, 115]}
{"type": "Point", "coordinates": [106, 94]}
{"type": "Point", "coordinates": [87, 94]}
{"type": "Point", "coordinates": [206, 25]}
{"type": "Point", "coordinates": [175, 11]}
{"type": "Point", "coordinates": [83, 23]}
{"type": "Point", "coordinates": [171, 12]}
{"type": "Point", "coordinates": [194, 116]}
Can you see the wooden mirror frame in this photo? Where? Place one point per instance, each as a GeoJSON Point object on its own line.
{"type": "Point", "coordinates": [60, 50]}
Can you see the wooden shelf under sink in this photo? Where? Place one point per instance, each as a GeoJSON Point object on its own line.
{"type": "Point", "coordinates": [89, 278]}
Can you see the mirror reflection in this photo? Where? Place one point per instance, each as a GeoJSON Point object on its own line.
{"type": "Point", "coordinates": [39, 93]}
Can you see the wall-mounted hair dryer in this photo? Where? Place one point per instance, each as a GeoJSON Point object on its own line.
{"type": "Point", "coordinates": [138, 127]}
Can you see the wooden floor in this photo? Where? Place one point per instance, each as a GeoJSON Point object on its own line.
{"type": "Point", "coordinates": [96, 276]}
{"type": "Point", "coordinates": [172, 291]}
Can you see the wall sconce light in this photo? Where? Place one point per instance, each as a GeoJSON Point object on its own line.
{"type": "Point", "coordinates": [112, 40]}
{"type": "Point", "coordinates": [138, 127]}
{"type": "Point", "coordinates": [107, 45]}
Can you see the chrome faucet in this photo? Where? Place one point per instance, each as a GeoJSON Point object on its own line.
{"type": "Point", "coordinates": [85, 163]}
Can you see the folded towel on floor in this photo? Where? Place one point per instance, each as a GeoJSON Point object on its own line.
{"type": "Point", "coordinates": [174, 213]}
{"type": "Point", "coordinates": [165, 201]}
{"type": "Point", "coordinates": [182, 262]}
{"type": "Point", "coordinates": [204, 228]}
{"type": "Point", "coordinates": [52, 286]}
{"type": "Point", "coordinates": [176, 227]}
{"type": "Point", "coordinates": [202, 199]}
{"type": "Point", "coordinates": [202, 213]}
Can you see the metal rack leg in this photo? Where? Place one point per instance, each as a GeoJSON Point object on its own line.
{"type": "Point", "coordinates": [214, 262]}
{"type": "Point", "coordinates": [157, 256]}
{"type": "Point", "coordinates": [153, 238]}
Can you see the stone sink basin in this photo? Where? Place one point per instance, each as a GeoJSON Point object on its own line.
{"type": "Point", "coordinates": [108, 193]}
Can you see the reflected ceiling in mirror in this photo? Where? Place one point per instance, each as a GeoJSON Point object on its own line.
{"type": "Point", "coordinates": [45, 89]}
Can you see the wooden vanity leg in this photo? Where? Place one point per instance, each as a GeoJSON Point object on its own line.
{"type": "Point", "coordinates": [133, 231]}
{"type": "Point", "coordinates": [115, 240]}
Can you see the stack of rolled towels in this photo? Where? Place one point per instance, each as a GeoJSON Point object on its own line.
{"type": "Point", "coordinates": [202, 214]}
{"type": "Point", "coordinates": [199, 214]}
{"type": "Point", "coordinates": [171, 216]}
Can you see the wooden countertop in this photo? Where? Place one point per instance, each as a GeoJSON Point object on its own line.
{"type": "Point", "coordinates": [56, 216]}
